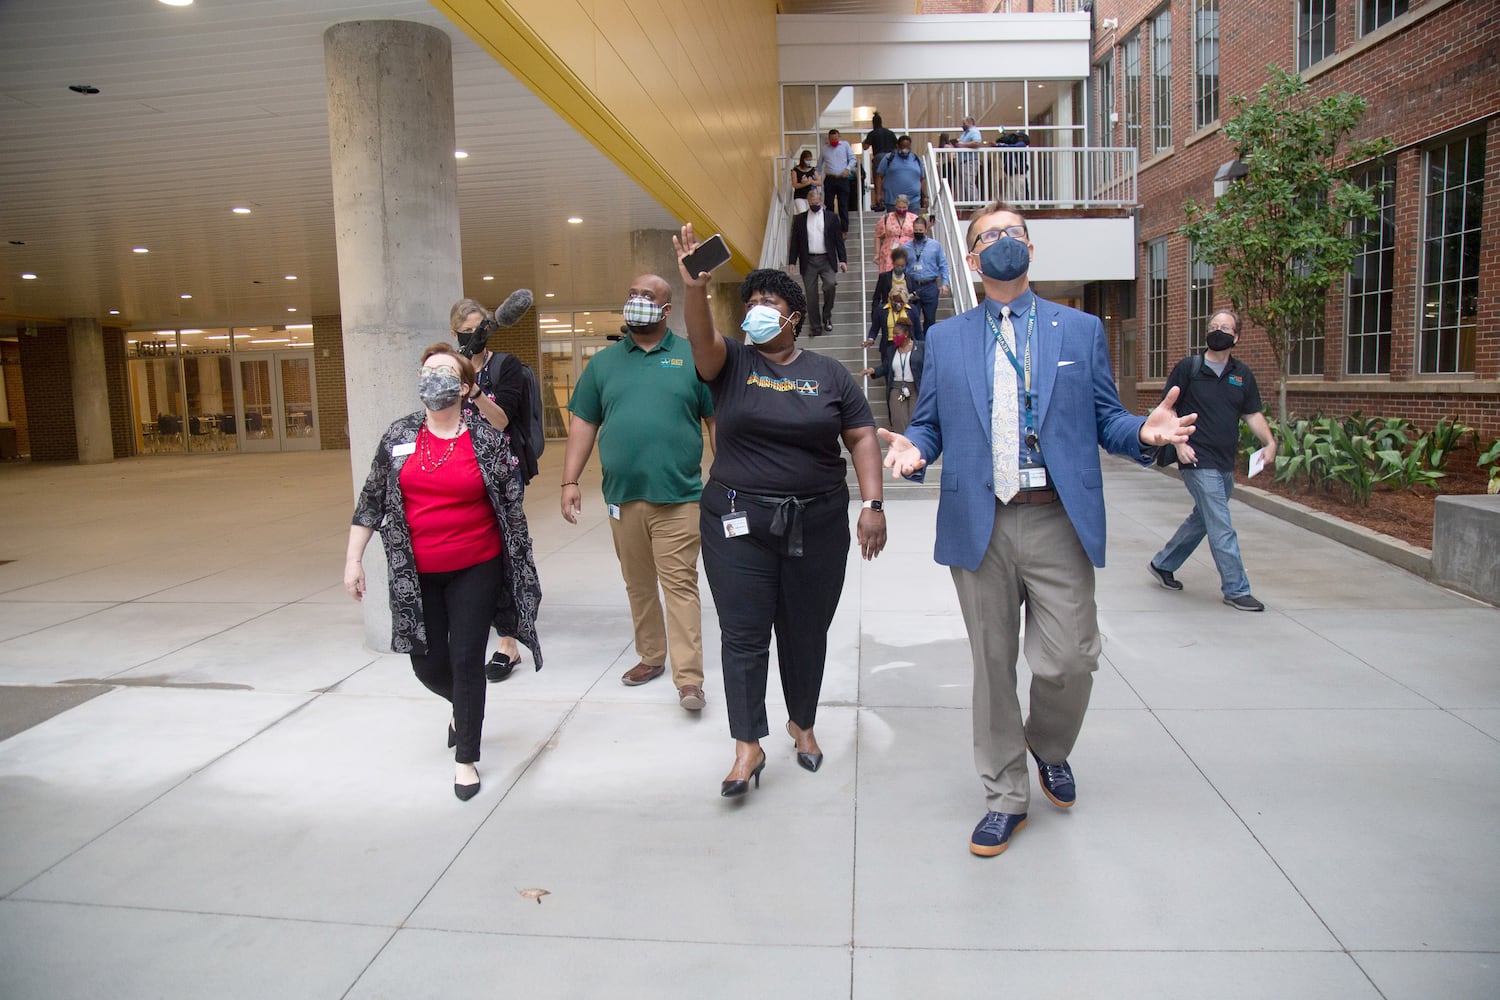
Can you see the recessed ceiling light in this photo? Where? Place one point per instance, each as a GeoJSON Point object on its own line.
{"type": "Point", "coordinates": [114, 312]}
{"type": "Point", "coordinates": [575, 220]}
{"type": "Point", "coordinates": [291, 277]}
{"type": "Point", "coordinates": [184, 295]}
{"type": "Point", "coordinates": [83, 88]}
{"type": "Point", "coordinates": [28, 277]}
{"type": "Point", "coordinates": [489, 277]}
{"type": "Point", "coordinates": [240, 210]}
{"type": "Point", "coordinates": [177, 3]}
{"type": "Point", "coordinates": [459, 154]}
{"type": "Point", "coordinates": [291, 309]}
{"type": "Point", "coordinates": [139, 250]}
{"type": "Point", "coordinates": [550, 295]}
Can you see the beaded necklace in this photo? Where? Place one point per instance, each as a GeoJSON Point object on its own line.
{"type": "Point", "coordinates": [424, 449]}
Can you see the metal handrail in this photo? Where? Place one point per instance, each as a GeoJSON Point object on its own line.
{"type": "Point", "coordinates": [949, 233]}
{"type": "Point", "coordinates": [1042, 176]}
{"type": "Point", "coordinates": [778, 234]}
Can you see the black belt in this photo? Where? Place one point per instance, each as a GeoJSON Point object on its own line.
{"type": "Point", "coordinates": [786, 523]}
{"type": "Point", "coordinates": [1047, 495]}
{"type": "Point", "coordinates": [924, 284]}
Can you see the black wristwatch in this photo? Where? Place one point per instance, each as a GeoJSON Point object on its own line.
{"type": "Point", "coordinates": [876, 505]}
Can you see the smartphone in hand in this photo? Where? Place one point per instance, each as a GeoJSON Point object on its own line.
{"type": "Point", "coordinates": [711, 253]}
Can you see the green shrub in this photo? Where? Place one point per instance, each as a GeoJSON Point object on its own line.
{"type": "Point", "coordinates": [1491, 460]}
{"type": "Point", "coordinates": [1444, 437]}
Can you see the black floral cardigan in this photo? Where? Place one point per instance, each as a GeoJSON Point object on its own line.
{"type": "Point", "coordinates": [381, 506]}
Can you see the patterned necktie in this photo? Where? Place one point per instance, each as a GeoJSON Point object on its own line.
{"type": "Point", "coordinates": [1004, 418]}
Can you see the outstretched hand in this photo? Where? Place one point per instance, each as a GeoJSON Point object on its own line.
{"type": "Point", "coordinates": [901, 456]}
{"type": "Point", "coordinates": [1164, 426]}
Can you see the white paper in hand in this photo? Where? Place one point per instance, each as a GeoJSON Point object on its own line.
{"type": "Point", "coordinates": [1257, 461]}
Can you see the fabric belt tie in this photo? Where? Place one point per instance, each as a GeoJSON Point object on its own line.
{"type": "Point", "coordinates": [786, 523]}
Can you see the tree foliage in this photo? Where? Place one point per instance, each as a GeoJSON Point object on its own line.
{"type": "Point", "coordinates": [1281, 236]}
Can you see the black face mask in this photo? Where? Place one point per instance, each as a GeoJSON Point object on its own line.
{"type": "Point", "coordinates": [1219, 340]}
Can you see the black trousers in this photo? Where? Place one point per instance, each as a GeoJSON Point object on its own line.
{"type": "Point", "coordinates": [839, 191]}
{"type": "Point", "coordinates": [457, 609]}
{"type": "Point", "coordinates": [759, 589]}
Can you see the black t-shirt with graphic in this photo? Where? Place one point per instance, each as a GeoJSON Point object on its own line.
{"type": "Point", "coordinates": [777, 427]}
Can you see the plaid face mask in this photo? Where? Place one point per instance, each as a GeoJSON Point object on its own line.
{"type": "Point", "coordinates": [641, 312]}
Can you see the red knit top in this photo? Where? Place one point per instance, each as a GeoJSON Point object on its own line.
{"type": "Point", "coordinates": [451, 521]}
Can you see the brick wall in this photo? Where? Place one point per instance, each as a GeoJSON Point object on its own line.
{"type": "Point", "coordinates": [49, 395]}
{"type": "Point", "coordinates": [1424, 76]}
{"type": "Point", "coordinates": [1480, 411]}
{"type": "Point", "coordinates": [15, 392]}
{"type": "Point", "coordinates": [333, 400]}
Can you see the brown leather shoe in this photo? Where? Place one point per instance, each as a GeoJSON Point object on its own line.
{"type": "Point", "coordinates": [690, 697]}
{"type": "Point", "coordinates": [641, 673]}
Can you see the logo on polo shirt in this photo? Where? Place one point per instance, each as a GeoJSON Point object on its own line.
{"type": "Point", "coordinates": [1236, 380]}
{"type": "Point", "coordinates": [671, 362]}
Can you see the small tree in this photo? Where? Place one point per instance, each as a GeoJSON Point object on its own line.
{"type": "Point", "coordinates": [1281, 236]}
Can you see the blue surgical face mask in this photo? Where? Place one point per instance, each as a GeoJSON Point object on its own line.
{"type": "Point", "coordinates": [1006, 259]}
{"type": "Point", "coordinates": [762, 324]}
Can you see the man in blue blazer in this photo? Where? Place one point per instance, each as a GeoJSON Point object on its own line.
{"type": "Point", "coordinates": [1023, 522]}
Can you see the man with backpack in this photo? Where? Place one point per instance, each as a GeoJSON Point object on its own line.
{"type": "Point", "coordinates": [901, 172]}
{"type": "Point", "coordinates": [507, 396]}
{"type": "Point", "coordinates": [1220, 389]}
{"type": "Point", "coordinates": [641, 398]}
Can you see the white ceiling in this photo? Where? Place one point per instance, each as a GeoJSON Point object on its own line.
{"type": "Point", "coordinates": [223, 104]}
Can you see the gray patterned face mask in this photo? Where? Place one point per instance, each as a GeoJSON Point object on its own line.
{"type": "Point", "coordinates": [439, 389]}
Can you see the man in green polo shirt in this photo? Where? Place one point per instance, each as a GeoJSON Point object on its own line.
{"type": "Point", "coordinates": [642, 399]}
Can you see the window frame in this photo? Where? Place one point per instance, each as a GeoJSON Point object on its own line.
{"type": "Point", "coordinates": [1200, 300]}
{"type": "Point", "coordinates": [1161, 82]}
{"type": "Point", "coordinates": [1378, 255]}
{"type": "Point", "coordinates": [1158, 281]}
{"type": "Point", "coordinates": [1376, 14]}
{"type": "Point", "coordinates": [1327, 23]}
{"type": "Point", "coordinates": [1473, 145]}
{"type": "Point", "coordinates": [1205, 96]}
{"type": "Point", "coordinates": [1131, 59]}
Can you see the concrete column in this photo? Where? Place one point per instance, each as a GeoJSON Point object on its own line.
{"type": "Point", "coordinates": [651, 253]}
{"type": "Point", "coordinates": [90, 391]}
{"type": "Point", "coordinates": [395, 205]}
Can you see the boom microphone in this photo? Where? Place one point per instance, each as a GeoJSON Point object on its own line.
{"type": "Point", "coordinates": [513, 308]}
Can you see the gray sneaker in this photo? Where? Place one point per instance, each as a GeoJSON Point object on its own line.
{"type": "Point", "coordinates": [1244, 602]}
{"type": "Point", "coordinates": [1164, 577]}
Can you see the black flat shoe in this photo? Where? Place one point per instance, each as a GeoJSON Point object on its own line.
{"type": "Point", "coordinates": [736, 787]}
{"type": "Point", "coordinates": [500, 667]}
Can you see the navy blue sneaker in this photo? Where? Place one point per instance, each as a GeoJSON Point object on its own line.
{"type": "Point", "coordinates": [1057, 782]}
{"type": "Point", "coordinates": [992, 835]}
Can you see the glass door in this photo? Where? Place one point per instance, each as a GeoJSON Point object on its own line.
{"type": "Point", "coordinates": [278, 402]}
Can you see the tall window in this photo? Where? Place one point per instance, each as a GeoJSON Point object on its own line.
{"type": "Point", "coordinates": [1104, 100]}
{"type": "Point", "coordinates": [1156, 309]}
{"type": "Point", "coordinates": [1314, 31]}
{"type": "Point", "coordinates": [1367, 317]}
{"type": "Point", "coordinates": [1450, 256]}
{"type": "Point", "coordinates": [1200, 300]}
{"type": "Point", "coordinates": [1205, 62]}
{"type": "Point", "coordinates": [1132, 56]}
{"type": "Point", "coordinates": [1161, 81]}
{"type": "Point", "coordinates": [1374, 13]}
{"type": "Point", "coordinates": [1305, 346]}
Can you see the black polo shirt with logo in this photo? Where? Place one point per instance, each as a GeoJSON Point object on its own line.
{"type": "Point", "coordinates": [1220, 401]}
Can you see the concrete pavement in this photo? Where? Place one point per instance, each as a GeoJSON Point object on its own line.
{"type": "Point", "coordinates": [240, 800]}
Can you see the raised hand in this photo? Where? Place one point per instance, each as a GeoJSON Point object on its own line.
{"type": "Point", "coordinates": [682, 245]}
{"type": "Point", "coordinates": [1164, 426]}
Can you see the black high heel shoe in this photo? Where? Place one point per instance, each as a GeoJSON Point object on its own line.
{"type": "Point", "coordinates": [467, 792]}
{"type": "Point", "coordinates": [735, 787]}
{"type": "Point", "coordinates": [807, 761]}
{"type": "Point", "coordinates": [452, 736]}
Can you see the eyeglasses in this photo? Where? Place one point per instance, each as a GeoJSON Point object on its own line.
{"type": "Point", "coordinates": [445, 369]}
{"type": "Point", "coordinates": [1222, 329]}
{"type": "Point", "coordinates": [989, 236]}
{"type": "Point", "coordinates": [465, 331]}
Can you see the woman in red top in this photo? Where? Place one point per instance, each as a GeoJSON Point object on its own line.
{"type": "Point", "coordinates": [443, 494]}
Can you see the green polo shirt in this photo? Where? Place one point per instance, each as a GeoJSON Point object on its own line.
{"type": "Point", "coordinates": [648, 406]}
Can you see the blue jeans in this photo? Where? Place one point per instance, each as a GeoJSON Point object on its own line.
{"type": "Point", "coordinates": [1210, 489]}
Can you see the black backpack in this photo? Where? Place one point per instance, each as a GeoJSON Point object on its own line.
{"type": "Point", "coordinates": [531, 403]}
{"type": "Point", "coordinates": [1167, 453]}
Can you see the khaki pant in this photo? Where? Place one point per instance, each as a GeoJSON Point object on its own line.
{"type": "Point", "coordinates": [658, 543]}
{"type": "Point", "coordinates": [1034, 558]}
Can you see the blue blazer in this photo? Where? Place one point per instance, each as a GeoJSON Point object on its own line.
{"type": "Point", "coordinates": [1080, 413]}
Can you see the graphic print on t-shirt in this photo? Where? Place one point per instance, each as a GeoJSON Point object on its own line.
{"type": "Point", "coordinates": [801, 386]}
